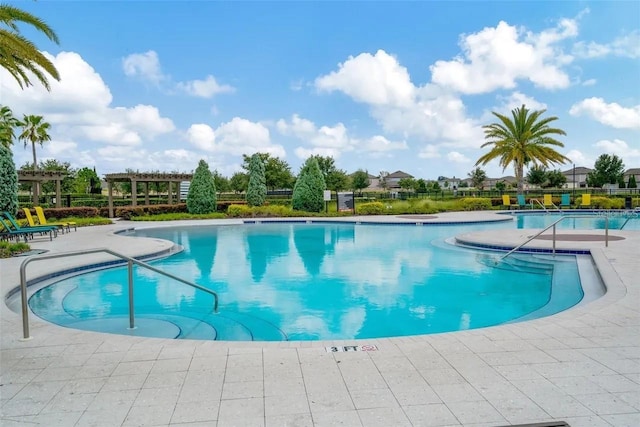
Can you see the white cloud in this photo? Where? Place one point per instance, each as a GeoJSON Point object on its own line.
{"type": "Point", "coordinates": [627, 46]}
{"type": "Point", "coordinates": [429, 151]}
{"type": "Point", "coordinates": [517, 99]}
{"type": "Point", "coordinates": [380, 144]}
{"type": "Point", "coordinates": [202, 136]}
{"type": "Point", "coordinates": [617, 147]}
{"type": "Point", "coordinates": [457, 157]}
{"type": "Point", "coordinates": [611, 114]}
{"type": "Point", "coordinates": [373, 79]}
{"type": "Point", "coordinates": [144, 65]}
{"type": "Point", "coordinates": [578, 158]}
{"type": "Point", "coordinates": [57, 147]}
{"type": "Point", "coordinates": [206, 88]}
{"type": "Point", "coordinates": [495, 58]}
{"type": "Point", "coordinates": [589, 82]}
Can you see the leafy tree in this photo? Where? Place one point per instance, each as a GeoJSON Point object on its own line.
{"type": "Point", "coordinates": [125, 186]}
{"type": "Point", "coordinates": [308, 193]}
{"type": "Point", "coordinates": [464, 184]}
{"type": "Point", "coordinates": [8, 181]}
{"type": "Point", "coordinates": [18, 55]}
{"type": "Point", "coordinates": [501, 186]}
{"type": "Point", "coordinates": [335, 179]}
{"type": "Point", "coordinates": [621, 183]}
{"type": "Point", "coordinates": [407, 183]}
{"type": "Point", "coordinates": [607, 170]}
{"type": "Point", "coordinates": [87, 181]}
{"type": "Point", "coordinates": [420, 186]}
{"type": "Point", "coordinates": [632, 182]}
{"type": "Point", "coordinates": [8, 124]}
{"type": "Point", "coordinates": [257, 191]}
{"type": "Point", "coordinates": [201, 198]}
{"type": "Point", "coordinates": [523, 138]}
{"type": "Point", "coordinates": [478, 177]}
{"type": "Point", "coordinates": [435, 186]}
{"type": "Point", "coordinates": [239, 182]}
{"type": "Point", "coordinates": [537, 175]}
{"type": "Point", "coordinates": [66, 186]}
{"type": "Point", "coordinates": [555, 179]}
{"type": "Point", "coordinates": [382, 177]}
{"type": "Point", "coordinates": [359, 180]}
{"type": "Point", "coordinates": [222, 183]}
{"type": "Point", "coordinates": [277, 172]}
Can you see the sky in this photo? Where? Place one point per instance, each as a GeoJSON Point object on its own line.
{"type": "Point", "coordinates": [379, 86]}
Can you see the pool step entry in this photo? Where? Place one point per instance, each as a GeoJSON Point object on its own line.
{"type": "Point", "coordinates": [515, 263]}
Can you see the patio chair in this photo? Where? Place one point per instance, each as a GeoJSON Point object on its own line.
{"type": "Point", "coordinates": [43, 220]}
{"type": "Point", "coordinates": [32, 223]}
{"type": "Point", "coordinates": [586, 201]}
{"type": "Point", "coordinates": [506, 201]}
{"type": "Point", "coordinates": [53, 231]}
{"type": "Point", "coordinates": [522, 202]}
{"type": "Point", "coordinates": [7, 233]}
{"type": "Point", "coordinates": [565, 201]}
{"type": "Point", "coordinates": [548, 201]}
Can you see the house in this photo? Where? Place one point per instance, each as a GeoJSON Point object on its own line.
{"type": "Point", "coordinates": [508, 180]}
{"type": "Point", "coordinates": [374, 181]}
{"type": "Point", "coordinates": [576, 177]}
{"type": "Point", "coordinates": [449, 183]}
{"type": "Point", "coordinates": [633, 171]}
{"type": "Point", "coordinates": [393, 179]}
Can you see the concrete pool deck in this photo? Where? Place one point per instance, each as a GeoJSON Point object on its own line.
{"type": "Point", "coordinates": [581, 366]}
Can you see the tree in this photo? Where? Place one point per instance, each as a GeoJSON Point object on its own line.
{"type": "Point", "coordinates": [421, 186]}
{"type": "Point", "coordinates": [35, 131]}
{"type": "Point", "coordinates": [277, 172]}
{"type": "Point", "coordinates": [537, 175]}
{"type": "Point", "coordinates": [501, 186]}
{"type": "Point", "coordinates": [8, 124]}
{"type": "Point", "coordinates": [308, 193]}
{"type": "Point", "coordinates": [523, 138]}
{"type": "Point", "coordinates": [66, 186]}
{"type": "Point", "coordinates": [555, 179]}
{"type": "Point", "coordinates": [478, 177]}
{"type": "Point", "coordinates": [87, 181]}
{"type": "Point", "coordinates": [607, 170]}
{"type": "Point", "coordinates": [632, 182]}
{"type": "Point", "coordinates": [239, 182]}
{"type": "Point", "coordinates": [359, 180]}
{"type": "Point", "coordinates": [222, 183]}
{"type": "Point", "coordinates": [18, 55]}
{"type": "Point", "coordinates": [8, 181]}
{"type": "Point", "coordinates": [334, 178]}
{"type": "Point", "coordinates": [407, 183]}
{"type": "Point", "coordinates": [383, 179]}
{"type": "Point", "coordinates": [257, 191]}
{"type": "Point", "coordinates": [201, 198]}
{"type": "Point", "coordinates": [621, 183]}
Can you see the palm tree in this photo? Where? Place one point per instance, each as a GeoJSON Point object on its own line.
{"type": "Point", "coordinates": [8, 124]}
{"type": "Point", "coordinates": [18, 55]}
{"type": "Point", "coordinates": [34, 130]}
{"type": "Point", "coordinates": [520, 139]}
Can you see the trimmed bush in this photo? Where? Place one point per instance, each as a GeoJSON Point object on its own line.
{"type": "Point", "coordinates": [127, 212]}
{"type": "Point", "coordinates": [607, 203]}
{"type": "Point", "coordinates": [257, 190]}
{"type": "Point", "coordinates": [474, 204]}
{"type": "Point", "coordinates": [308, 192]}
{"type": "Point", "coordinates": [239, 211]}
{"type": "Point", "coordinates": [8, 181]}
{"type": "Point", "coordinates": [201, 198]}
{"type": "Point", "coordinates": [373, 208]}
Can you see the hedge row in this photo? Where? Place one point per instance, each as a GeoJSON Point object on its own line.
{"type": "Point", "coordinates": [59, 213]}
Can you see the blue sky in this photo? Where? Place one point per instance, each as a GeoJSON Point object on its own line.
{"type": "Point", "coordinates": [381, 86]}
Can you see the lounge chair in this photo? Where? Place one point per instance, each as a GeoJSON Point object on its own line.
{"type": "Point", "coordinates": [522, 202]}
{"type": "Point", "coordinates": [506, 201]}
{"type": "Point", "coordinates": [43, 220]}
{"type": "Point", "coordinates": [53, 231]}
{"type": "Point", "coordinates": [8, 233]}
{"type": "Point", "coordinates": [32, 223]}
{"type": "Point", "coordinates": [565, 201]}
{"type": "Point", "coordinates": [586, 201]}
{"type": "Point", "coordinates": [548, 201]}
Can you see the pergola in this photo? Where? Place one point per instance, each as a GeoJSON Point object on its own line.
{"type": "Point", "coordinates": [40, 176]}
{"type": "Point", "coordinates": [145, 178]}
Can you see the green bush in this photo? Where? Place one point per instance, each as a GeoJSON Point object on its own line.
{"type": "Point", "coordinates": [239, 211]}
{"type": "Point", "coordinates": [308, 192]}
{"type": "Point", "coordinates": [127, 212]}
{"type": "Point", "coordinates": [9, 249]}
{"type": "Point", "coordinates": [606, 203]}
{"type": "Point", "coordinates": [474, 204]}
{"type": "Point", "coordinates": [257, 190]}
{"type": "Point", "coordinates": [8, 181]}
{"type": "Point", "coordinates": [373, 208]}
{"type": "Point", "coordinates": [201, 198]}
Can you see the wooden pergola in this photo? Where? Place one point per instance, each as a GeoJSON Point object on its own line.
{"type": "Point", "coordinates": [140, 177]}
{"type": "Point", "coordinates": [39, 176]}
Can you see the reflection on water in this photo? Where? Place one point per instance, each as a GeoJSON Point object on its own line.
{"type": "Point", "coordinates": [315, 281]}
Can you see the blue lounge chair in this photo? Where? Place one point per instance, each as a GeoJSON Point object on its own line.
{"type": "Point", "coordinates": [53, 231]}
{"type": "Point", "coordinates": [565, 201]}
{"type": "Point", "coordinates": [7, 233]}
{"type": "Point", "coordinates": [522, 202]}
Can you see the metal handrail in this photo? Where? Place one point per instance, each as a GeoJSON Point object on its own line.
{"type": "Point", "coordinates": [540, 203]}
{"type": "Point", "coordinates": [130, 262]}
{"type": "Point", "coordinates": [606, 235]}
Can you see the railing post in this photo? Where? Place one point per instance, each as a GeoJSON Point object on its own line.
{"type": "Point", "coordinates": [554, 240]}
{"type": "Point", "coordinates": [25, 308]}
{"type": "Point", "coordinates": [606, 231]}
{"type": "Point", "coordinates": [131, 315]}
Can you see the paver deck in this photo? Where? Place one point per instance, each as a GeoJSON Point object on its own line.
{"type": "Point", "coordinates": [581, 366]}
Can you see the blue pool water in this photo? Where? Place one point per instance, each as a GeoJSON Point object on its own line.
{"type": "Point", "coordinates": [318, 281]}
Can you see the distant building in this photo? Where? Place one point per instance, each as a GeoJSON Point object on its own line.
{"type": "Point", "coordinates": [449, 183]}
{"type": "Point", "coordinates": [580, 174]}
{"type": "Point", "coordinates": [509, 180]}
{"type": "Point", "coordinates": [393, 179]}
{"type": "Point", "coordinates": [633, 171]}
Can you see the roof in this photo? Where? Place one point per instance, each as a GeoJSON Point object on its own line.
{"type": "Point", "coordinates": [579, 170]}
{"type": "Point", "coordinates": [399, 174]}
{"type": "Point", "coordinates": [633, 171]}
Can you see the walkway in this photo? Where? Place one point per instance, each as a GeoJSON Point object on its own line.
{"type": "Point", "coordinates": [581, 366]}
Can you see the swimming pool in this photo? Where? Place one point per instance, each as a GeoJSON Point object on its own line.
{"type": "Point", "coordinates": [299, 281]}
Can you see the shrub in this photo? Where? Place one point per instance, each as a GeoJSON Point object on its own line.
{"type": "Point", "coordinates": [308, 192]}
{"type": "Point", "coordinates": [474, 204]}
{"type": "Point", "coordinates": [9, 249]}
{"type": "Point", "coordinates": [606, 203]}
{"type": "Point", "coordinates": [53, 214]}
{"type": "Point", "coordinates": [8, 181]}
{"type": "Point", "coordinates": [373, 208]}
{"type": "Point", "coordinates": [201, 198]}
{"type": "Point", "coordinates": [257, 190]}
{"type": "Point", "coordinates": [127, 212]}
{"type": "Point", "coordinates": [239, 211]}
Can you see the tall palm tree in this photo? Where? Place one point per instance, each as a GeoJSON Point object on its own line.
{"type": "Point", "coordinates": [520, 139]}
{"type": "Point", "coordinates": [8, 124]}
{"type": "Point", "coordinates": [36, 131]}
{"type": "Point", "coordinates": [18, 55]}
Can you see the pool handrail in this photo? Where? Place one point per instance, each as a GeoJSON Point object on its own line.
{"type": "Point", "coordinates": [130, 262]}
{"type": "Point", "coordinates": [553, 225]}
